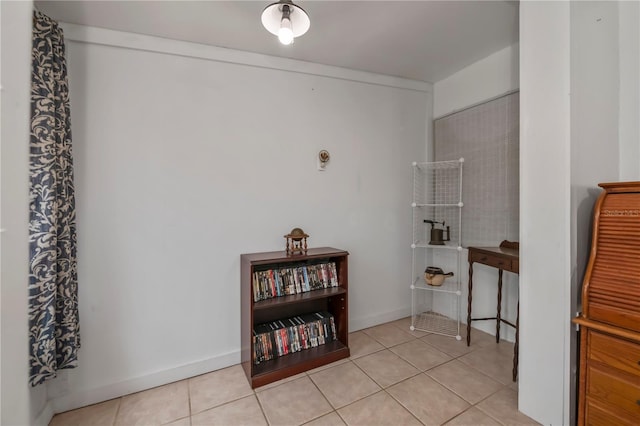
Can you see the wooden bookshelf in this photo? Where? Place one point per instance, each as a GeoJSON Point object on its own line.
{"type": "Point", "coordinates": [333, 300]}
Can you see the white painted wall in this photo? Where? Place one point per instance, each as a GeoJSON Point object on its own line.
{"type": "Point", "coordinates": [589, 137]}
{"type": "Point", "coordinates": [545, 29]}
{"type": "Point", "coordinates": [629, 69]}
{"type": "Point", "coordinates": [544, 210]}
{"type": "Point", "coordinates": [19, 403]}
{"type": "Point", "coordinates": [605, 137]}
{"type": "Point", "coordinates": [588, 50]}
{"type": "Point", "coordinates": [596, 142]}
{"type": "Point", "coordinates": [486, 79]}
{"type": "Point", "coordinates": [490, 77]}
{"type": "Point", "coordinates": [187, 156]}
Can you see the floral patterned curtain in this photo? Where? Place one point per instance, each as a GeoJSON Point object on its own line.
{"type": "Point", "coordinates": [54, 337]}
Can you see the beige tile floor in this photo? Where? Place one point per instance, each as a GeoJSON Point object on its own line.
{"type": "Point", "coordinates": [393, 377]}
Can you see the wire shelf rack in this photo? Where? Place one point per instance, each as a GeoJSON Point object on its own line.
{"type": "Point", "coordinates": [437, 204]}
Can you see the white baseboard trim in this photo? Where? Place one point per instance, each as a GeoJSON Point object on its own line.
{"type": "Point", "coordinates": [506, 333]}
{"type": "Point", "coordinates": [45, 415]}
{"type": "Point", "coordinates": [81, 398]}
{"type": "Point", "coordinates": [356, 324]}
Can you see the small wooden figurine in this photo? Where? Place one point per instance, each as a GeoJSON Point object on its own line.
{"type": "Point", "coordinates": [296, 241]}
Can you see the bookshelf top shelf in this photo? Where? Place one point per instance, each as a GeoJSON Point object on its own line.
{"type": "Point", "coordinates": [282, 257]}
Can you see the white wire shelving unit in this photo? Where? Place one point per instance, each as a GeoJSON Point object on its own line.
{"type": "Point", "coordinates": [437, 196]}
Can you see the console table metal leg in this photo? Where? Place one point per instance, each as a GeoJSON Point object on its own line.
{"type": "Point", "coordinates": [498, 316]}
{"type": "Point", "coordinates": [469, 298]}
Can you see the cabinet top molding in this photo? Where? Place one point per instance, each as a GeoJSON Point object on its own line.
{"type": "Point", "coordinates": [621, 186]}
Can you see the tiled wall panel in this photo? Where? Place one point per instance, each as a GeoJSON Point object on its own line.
{"type": "Point", "coordinates": [487, 136]}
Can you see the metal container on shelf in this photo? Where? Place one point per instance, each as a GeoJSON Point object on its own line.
{"type": "Point", "coordinates": [435, 276]}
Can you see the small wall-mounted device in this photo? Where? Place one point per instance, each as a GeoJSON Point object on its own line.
{"type": "Point", "coordinates": [323, 159]}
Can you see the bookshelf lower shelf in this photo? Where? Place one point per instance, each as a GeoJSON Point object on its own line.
{"type": "Point", "coordinates": [289, 365]}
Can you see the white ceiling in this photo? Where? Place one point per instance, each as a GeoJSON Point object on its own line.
{"type": "Point", "coordinates": [420, 40]}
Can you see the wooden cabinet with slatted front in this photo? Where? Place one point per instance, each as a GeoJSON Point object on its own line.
{"type": "Point", "coordinates": [609, 391]}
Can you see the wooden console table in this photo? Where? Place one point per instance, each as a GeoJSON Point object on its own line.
{"type": "Point", "coordinates": [506, 257]}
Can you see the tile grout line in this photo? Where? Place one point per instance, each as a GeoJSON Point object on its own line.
{"type": "Point", "coordinates": [457, 358]}
{"type": "Point", "coordinates": [382, 389]}
{"type": "Point", "coordinates": [487, 413]}
{"type": "Point", "coordinates": [492, 417]}
{"type": "Point", "coordinates": [502, 385]}
{"type": "Point", "coordinates": [266, 419]}
{"type": "Point", "coordinates": [453, 358]}
{"type": "Point", "coordinates": [325, 398]}
{"type": "Point", "coordinates": [460, 414]}
{"type": "Point", "coordinates": [359, 399]}
{"type": "Point", "coordinates": [253, 393]}
{"type": "Point", "coordinates": [396, 327]}
{"type": "Point", "coordinates": [495, 379]}
{"type": "Point", "coordinates": [404, 380]}
{"type": "Point", "coordinates": [356, 400]}
{"type": "Point", "coordinates": [189, 399]}
{"type": "Point", "coordinates": [367, 354]}
{"type": "Point", "coordinates": [402, 405]}
{"type": "Point", "coordinates": [115, 418]}
{"type": "Point", "coordinates": [341, 418]}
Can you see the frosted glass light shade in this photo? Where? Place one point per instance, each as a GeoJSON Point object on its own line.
{"type": "Point", "coordinates": [272, 17]}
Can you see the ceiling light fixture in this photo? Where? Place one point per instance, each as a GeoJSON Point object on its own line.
{"type": "Point", "coordinates": [286, 20]}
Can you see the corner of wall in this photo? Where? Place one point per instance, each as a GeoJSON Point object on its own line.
{"type": "Point", "coordinates": [15, 395]}
{"type": "Point", "coordinates": [45, 415]}
{"type": "Point", "coordinates": [493, 76]}
{"type": "Point", "coordinates": [629, 91]}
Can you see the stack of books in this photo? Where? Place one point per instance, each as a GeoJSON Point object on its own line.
{"type": "Point", "coordinates": [282, 337]}
{"type": "Point", "coordinates": [293, 280]}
